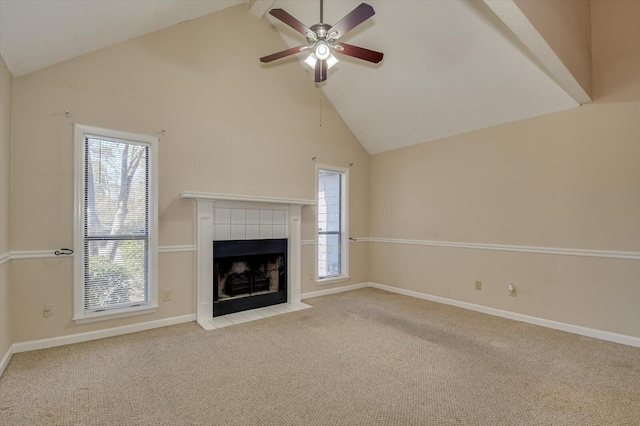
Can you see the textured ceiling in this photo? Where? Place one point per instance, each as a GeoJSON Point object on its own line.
{"type": "Point", "coordinates": [450, 66]}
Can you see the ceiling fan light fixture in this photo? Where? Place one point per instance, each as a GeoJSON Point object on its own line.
{"type": "Point", "coordinates": [312, 59]}
{"type": "Point", "coordinates": [331, 61]}
{"type": "Point", "coordinates": [322, 51]}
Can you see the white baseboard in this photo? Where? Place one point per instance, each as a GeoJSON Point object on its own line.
{"type": "Point", "coordinates": [5, 359]}
{"type": "Point", "coordinates": [99, 334]}
{"type": "Point", "coordinates": [333, 290]}
{"type": "Point", "coordinates": [570, 328]}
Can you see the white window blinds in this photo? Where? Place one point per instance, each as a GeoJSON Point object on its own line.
{"type": "Point", "coordinates": [116, 224]}
{"type": "Point", "coordinates": [330, 227]}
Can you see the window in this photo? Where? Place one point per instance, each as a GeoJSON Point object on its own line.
{"type": "Point", "coordinates": [115, 224]}
{"type": "Point", "coordinates": [332, 242]}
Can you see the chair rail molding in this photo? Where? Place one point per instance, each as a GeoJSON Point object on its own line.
{"type": "Point", "coordinates": [43, 254]}
{"type": "Point", "coordinates": [613, 254]}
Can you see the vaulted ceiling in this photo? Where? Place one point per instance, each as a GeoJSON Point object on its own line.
{"type": "Point", "coordinates": [37, 33]}
{"type": "Point", "coordinates": [450, 66]}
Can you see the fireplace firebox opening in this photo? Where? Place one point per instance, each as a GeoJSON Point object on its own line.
{"type": "Point", "coordinates": [248, 274]}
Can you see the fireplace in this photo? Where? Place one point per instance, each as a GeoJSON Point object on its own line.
{"type": "Point", "coordinates": [248, 274]}
{"type": "Point", "coordinates": [207, 225]}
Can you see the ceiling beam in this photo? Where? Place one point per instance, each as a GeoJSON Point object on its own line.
{"type": "Point", "coordinates": [260, 7]}
{"type": "Point", "coordinates": [513, 17]}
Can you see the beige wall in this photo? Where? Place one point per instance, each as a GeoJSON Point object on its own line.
{"type": "Point", "coordinates": [616, 50]}
{"type": "Point", "coordinates": [564, 180]}
{"type": "Point", "coordinates": [5, 136]}
{"type": "Point", "coordinates": [566, 27]}
{"type": "Point", "coordinates": [224, 113]}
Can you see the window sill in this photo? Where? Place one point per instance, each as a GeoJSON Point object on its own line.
{"type": "Point", "coordinates": [120, 313]}
{"type": "Point", "coordinates": [333, 280]}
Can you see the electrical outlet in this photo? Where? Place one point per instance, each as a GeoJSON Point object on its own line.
{"type": "Point", "coordinates": [166, 295]}
{"type": "Point", "coordinates": [48, 311]}
{"type": "Point", "coordinates": [478, 285]}
{"type": "Point", "coordinates": [513, 290]}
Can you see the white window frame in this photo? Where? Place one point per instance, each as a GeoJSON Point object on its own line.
{"type": "Point", "coordinates": [344, 225]}
{"type": "Point", "coordinates": [80, 316]}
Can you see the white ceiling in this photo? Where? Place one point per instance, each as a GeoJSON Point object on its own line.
{"type": "Point", "coordinates": [37, 33]}
{"type": "Point", "coordinates": [450, 66]}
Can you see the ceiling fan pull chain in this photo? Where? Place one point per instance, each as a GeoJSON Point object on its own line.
{"type": "Point", "coordinates": [321, 12]}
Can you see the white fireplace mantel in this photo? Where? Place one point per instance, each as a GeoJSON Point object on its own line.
{"type": "Point", "coordinates": [246, 198]}
{"type": "Point", "coordinates": [205, 236]}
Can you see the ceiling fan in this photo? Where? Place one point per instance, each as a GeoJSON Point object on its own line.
{"type": "Point", "coordinates": [323, 39]}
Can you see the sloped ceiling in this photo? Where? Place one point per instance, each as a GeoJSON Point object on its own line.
{"type": "Point", "coordinates": [450, 66]}
{"type": "Point", "coordinates": [37, 33]}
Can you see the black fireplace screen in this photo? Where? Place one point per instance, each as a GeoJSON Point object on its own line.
{"type": "Point", "coordinates": [248, 274]}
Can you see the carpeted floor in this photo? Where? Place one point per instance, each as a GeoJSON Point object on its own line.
{"type": "Point", "coordinates": [365, 357]}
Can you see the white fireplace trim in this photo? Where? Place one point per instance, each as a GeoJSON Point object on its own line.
{"type": "Point", "coordinates": [205, 236]}
{"type": "Point", "coordinates": [246, 198]}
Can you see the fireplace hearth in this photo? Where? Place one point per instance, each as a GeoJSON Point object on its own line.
{"type": "Point", "coordinates": [248, 274]}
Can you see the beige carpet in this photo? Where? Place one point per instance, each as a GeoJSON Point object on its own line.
{"type": "Point", "coordinates": [365, 357]}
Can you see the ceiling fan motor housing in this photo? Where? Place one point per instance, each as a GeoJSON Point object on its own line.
{"type": "Point", "coordinates": [320, 32]}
